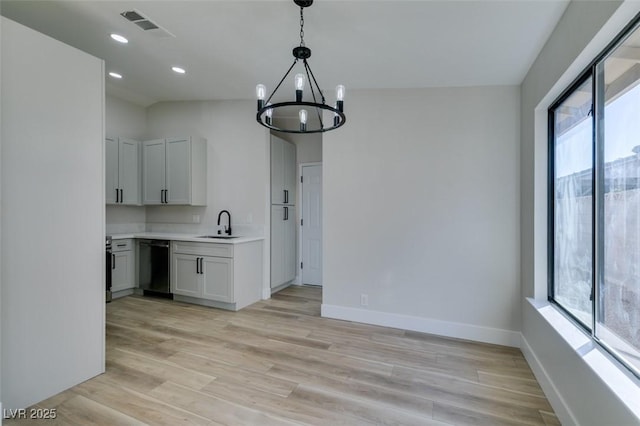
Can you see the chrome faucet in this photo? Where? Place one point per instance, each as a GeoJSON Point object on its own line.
{"type": "Point", "coordinates": [227, 229]}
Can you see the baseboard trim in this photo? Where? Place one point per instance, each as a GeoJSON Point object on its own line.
{"type": "Point", "coordinates": [424, 325]}
{"type": "Point", "coordinates": [558, 403]}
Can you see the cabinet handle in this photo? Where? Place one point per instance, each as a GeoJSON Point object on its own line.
{"type": "Point", "coordinates": [197, 265]}
{"type": "Point", "coordinates": [162, 196]}
{"type": "Point", "coordinates": [286, 213]}
{"type": "Point", "coordinates": [284, 194]}
{"type": "Point", "coordinates": [121, 196]}
{"type": "Point", "coordinates": [117, 201]}
{"type": "Point", "coordinates": [201, 265]}
{"type": "Point", "coordinates": [113, 261]}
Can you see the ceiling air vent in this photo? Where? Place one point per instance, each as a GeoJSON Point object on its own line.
{"type": "Point", "coordinates": [145, 23]}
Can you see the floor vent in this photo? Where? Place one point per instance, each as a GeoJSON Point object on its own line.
{"type": "Point", "coordinates": [146, 24]}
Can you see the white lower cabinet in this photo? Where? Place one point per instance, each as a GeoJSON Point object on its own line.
{"type": "Point", "coordinates": [123, 266]}
{"type": "Point", "coordinates": [186, 278]}
{"type": "Point", "coordinates": [226, 276]}
{"type": "Point", "coordinates": [217, 278]}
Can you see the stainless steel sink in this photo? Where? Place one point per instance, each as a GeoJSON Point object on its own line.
{"type": "Point", "coordinates": [221, 237]}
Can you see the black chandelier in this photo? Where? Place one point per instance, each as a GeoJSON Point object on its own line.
{"type": "Point", "coordinates": [265, 108]}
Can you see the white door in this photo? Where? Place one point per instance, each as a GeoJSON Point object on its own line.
{"type": "Point", "coordinates": [290, 253]}
{"type": "Point", "coordinates": [123, 271]}
{"type": "Point", "coordinates": [218, 278]}
{"type": "Point", "coordinates": [153, 169]}
{"type": "Point", "coordinates": [185, 279]}
{"type": "Point", "coordinates": [312, 225]}
{"type": "Point", "coordinates": [178, 171]}
{"type": "Point", "coordinates": [128, 171]}
{"type": "Point", "coordinates": [111, 170]}
{"type": "Point", "coordinates": [289, 172]}
{"type": "Point", "coordinates": [277, 174]}
{"type": "Point", "coordinates": [277, 245]}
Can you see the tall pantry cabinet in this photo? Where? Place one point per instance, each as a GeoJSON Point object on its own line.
{"type": "Point", "coordinates": [283, 211]}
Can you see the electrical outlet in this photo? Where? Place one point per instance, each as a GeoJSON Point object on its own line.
{"type": "Point", "coordinates": [364, 300]}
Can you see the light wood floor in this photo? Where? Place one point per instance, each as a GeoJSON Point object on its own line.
{"type": "Point", "coordinates": [278, 362]}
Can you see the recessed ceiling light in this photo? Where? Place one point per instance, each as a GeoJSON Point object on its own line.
{"type": "Point", "coordinates": [119, 38]}
{"type": "Point", "coordinates": [115, 75]}
{"type": "Point", "coordinates": [178, 70]}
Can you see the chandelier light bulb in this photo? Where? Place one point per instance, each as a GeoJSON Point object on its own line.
{"type": "Point", "coordinates": [303, 120]}
{"type": "Point", "coordinates": [340, 97]}
{"type": "Point", "coordinates": [299, 80]}
{"type": "Point", "coordinates": [261, 93]}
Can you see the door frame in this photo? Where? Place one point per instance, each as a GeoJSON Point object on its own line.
{"type": "Point", "coordinates": [299, 213]}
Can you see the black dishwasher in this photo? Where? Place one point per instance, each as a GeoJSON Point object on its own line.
{"type": "Point", "coordinates": [153, 268]}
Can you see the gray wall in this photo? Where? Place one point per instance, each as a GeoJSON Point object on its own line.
{"type": "Point", "coordinates": [561, 357]}
{"type": "Point", "coordinates": [52, 216]}
{"type": "Point", "coordinates": [421, 212]}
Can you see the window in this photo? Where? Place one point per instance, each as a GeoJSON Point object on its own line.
{"type": "Point", "coordinates": [594, 200]}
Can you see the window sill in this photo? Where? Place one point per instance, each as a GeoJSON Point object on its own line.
{"type": "Point", "coordinates": [616, 377]}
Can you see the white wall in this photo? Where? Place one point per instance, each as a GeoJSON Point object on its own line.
{"type": "Point", "coordinates": [562, 362]}
{"type": "Point", "coordinates": [421, 211]}
{"type": "Point", "coordinates": [308, 146]}
{"type": "Point", "coordinates": [124, 119]}
{"type": "Point", "coordinates": [52, 216]}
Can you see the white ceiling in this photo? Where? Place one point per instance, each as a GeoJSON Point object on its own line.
{"type": "Point", "coordinates": [227, 47]}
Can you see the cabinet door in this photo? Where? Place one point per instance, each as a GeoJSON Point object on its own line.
{"type": "Point", "coordinates": [122, 275]}
{"type": "Point", "coordinates": [153, 170]}
{"type": "Point", "coordinates": [289, 172]}
{"type": "Point", "coordinates": [217, 278]}
{"type": "Point", "coordinates": [128, 172]}
{"type": "Point", "coordinates": [277, 245]}
{"type": "Point", "coordinates": [179, 171]}
{"type": "Point", "coordinates": [289, 245]}
{"type": "Point", "coordinates": [277, 182]}
{"type": "Point", "coordinates": [111, 169]}
{"type": "Point", "coordinates": [185, 279]}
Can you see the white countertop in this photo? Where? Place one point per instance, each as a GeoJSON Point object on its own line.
{"type": "Point", "coordinates": [185, 237]}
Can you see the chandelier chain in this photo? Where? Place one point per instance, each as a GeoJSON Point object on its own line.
{"type": "Point", "coordinates": [301, 27]}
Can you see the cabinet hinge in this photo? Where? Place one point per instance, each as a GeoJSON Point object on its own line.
{"type": "Point", "coordinates": [301, 222]}
{"type": "Point", "coordinates": [300, 265]}
{"type": "Point", "coordinates": [301, 179]}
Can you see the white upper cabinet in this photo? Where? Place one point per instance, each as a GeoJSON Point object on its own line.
{"type": "Point", "coordinates": [153, 166]}
{"type": "Point", "coordinates": [122, 171]}
{"type": "Point", "coordinates": [283, 172]}
{"type": "Point", "coordinates": [175, 171]}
